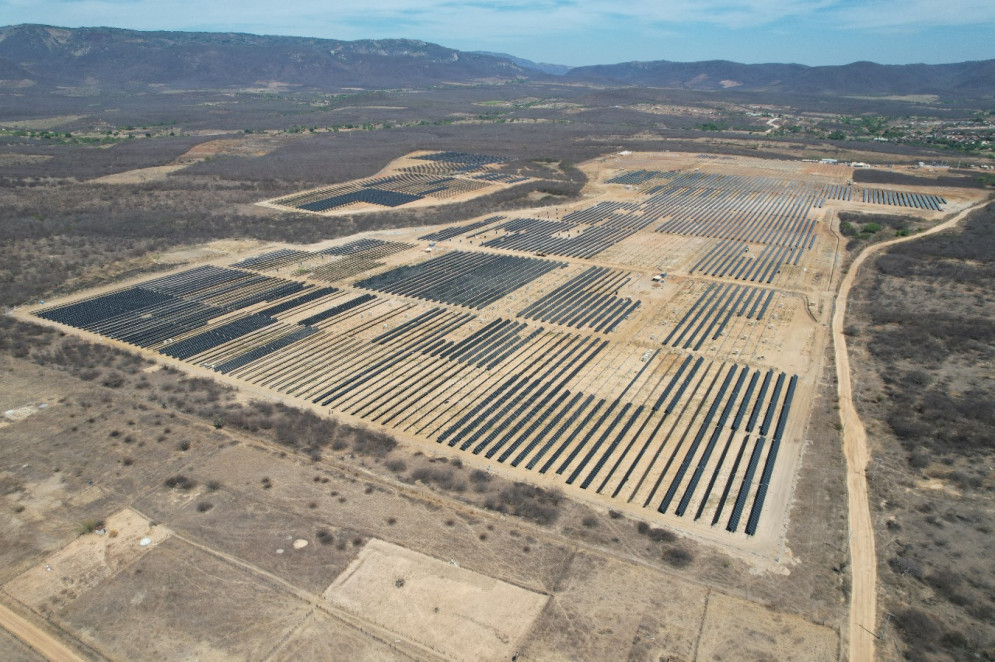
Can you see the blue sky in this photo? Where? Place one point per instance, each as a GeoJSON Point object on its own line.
{"type": "Point", "coordinates": [580, 32]}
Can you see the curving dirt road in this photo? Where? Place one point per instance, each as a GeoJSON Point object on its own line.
{"type": "Point", "coordinates": [863, 561]}
{"type": "Point", "coordinates": [36, 638]}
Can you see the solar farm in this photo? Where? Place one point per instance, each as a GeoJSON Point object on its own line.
{"type": "Point", "coordinates": [651, 348]}
{"type": "Point", "coordinates": [416, 180]}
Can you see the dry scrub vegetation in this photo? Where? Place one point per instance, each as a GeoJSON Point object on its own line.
{"type": "Point", "coordinates": [923, 323]}
{"type": "Point", "coordinates": [300, 431]}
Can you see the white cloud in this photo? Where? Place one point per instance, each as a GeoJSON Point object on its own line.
{"type": "Point", "coordinates": [916, 14]}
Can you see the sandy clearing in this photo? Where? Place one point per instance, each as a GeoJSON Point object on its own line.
{"type": "Point", "coordinates": [456, 612]}
{"type": "Point", "coordinates": [140, 175]}
{"type": "Point", "coordinates": [85, 562]}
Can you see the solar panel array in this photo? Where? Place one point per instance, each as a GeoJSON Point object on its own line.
{"type": "Point", "coordinates": [707, 318]}
{"type": "Point", "coordinates": [639, 176]}
{"type": "Point", "coordinates": [902, 199]}
{"type": "Point", "coordinates": [473, 280]}
{"type": "Point", "coordinates": [588, 300]}
{"type": "Point", "coordinates": [445, 175]}
{"type": "Point", "coordinates": [531, 362]}
{"type": "Point", "coordinates": [188, 313]}
{"type": "Point", "coordinates": [462, 158]}
{"type": "Point", "coordinates": [458, 230]}
{"type": "Point", "coordinates": [541, 236]}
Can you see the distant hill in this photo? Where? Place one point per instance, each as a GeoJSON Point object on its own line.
{"type": "Point", "coordinates": [961, 80]}
{"type": "Point", "coordinates": [115, 59]}
{"type": "Point", "coordinates": [36, 58]}
{"type": "Point", "coordinates": [545, 67]}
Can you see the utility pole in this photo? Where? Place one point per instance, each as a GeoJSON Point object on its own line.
{"type": "Point", "coordinates": [884, 626]}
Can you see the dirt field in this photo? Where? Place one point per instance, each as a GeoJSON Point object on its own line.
{"type": "Point", "coordinates": [455, 612]}
{"type": "Point", "coordinates": [733, 631]}
{"type": "Point", "coordinates": [249, 146]}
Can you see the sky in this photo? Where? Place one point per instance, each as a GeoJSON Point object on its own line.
{"type": "Point", "coordinates": [581, 32]}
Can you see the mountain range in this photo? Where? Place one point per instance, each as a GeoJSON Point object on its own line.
{"type": "Point", "coordinates": [37, 58]}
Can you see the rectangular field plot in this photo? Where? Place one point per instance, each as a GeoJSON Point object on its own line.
{"type": "Point", "coordinates": [177, 587]}
{"type": "Point", "coordinates": [458, 613]}
{"type": "Point", "coordinates": [651, 348]}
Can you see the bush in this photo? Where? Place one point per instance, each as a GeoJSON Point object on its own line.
{"type": "Point", "coordinates": [919, 630]}
{"type": "Point", "coordinates": [396, 466]}
{"type": "Point", "coordinates": [204, 506]}
{"type": "Point", "coordinates": [678, 557]}
{"type": "Point", "coordinates": [442, 478]}
{"type": "Point", "coordinates": [89, 526]}
{"type": "Point", "coordinates": [660, 535]}
{"type": "Point", "coordinates": [180, 482]}
{"type": "Point", "coordinates": [528, 502]}
{"type": "Point", "coordinates": [113, 380]}
{"type": "Point", "coordinates": [906, 566]}
{"type": "Point", "coordinates": [374, 444]}
{"type": "Point", "coordinates": [478, 476]}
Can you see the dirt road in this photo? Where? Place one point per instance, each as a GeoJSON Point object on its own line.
{"type": "Point", "coordinates": [35, 637]}
{"type": "Point", "coordinates": [863, 561]}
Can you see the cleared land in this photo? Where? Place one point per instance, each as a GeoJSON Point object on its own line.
{"type": "Point", "coordinates": [455, 612]}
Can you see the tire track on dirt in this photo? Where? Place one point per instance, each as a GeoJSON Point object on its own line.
{"type": "Point", "coordinates": [36, 638]}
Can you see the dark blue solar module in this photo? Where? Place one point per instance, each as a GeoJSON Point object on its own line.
{"type": "Point", "coordinates": [374, 196]}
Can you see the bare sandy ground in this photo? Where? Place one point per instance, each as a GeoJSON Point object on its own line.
{"type": "Point", "coordinates": [247, 146]}
{"type": "Point", "coordinates": [458, 613]}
